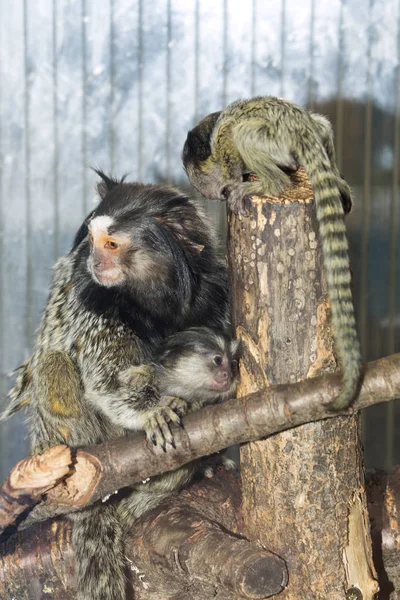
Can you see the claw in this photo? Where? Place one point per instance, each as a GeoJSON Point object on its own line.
{"type": "Point", "coordinates": [158, 419]}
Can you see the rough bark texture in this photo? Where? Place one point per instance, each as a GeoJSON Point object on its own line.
{"type": "Point", "coordinates": [303, 490]}
{"type": "Point", "coordinates": [182, 550]}
{"type": "Point", "coordinates": [185, 549]}
{"type": "Point", "coordinates": [38, 563]}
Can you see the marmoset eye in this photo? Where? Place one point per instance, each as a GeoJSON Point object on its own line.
{"type": "Point", "coordinates": [111, 245]}
{"type": "Point", "coordinates": [218, 360]}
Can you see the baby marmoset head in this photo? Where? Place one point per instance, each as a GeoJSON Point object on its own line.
{"type": "Point", "coordinates": [199, 365]}
{"type": "Point", "coordinates": [149, 248]}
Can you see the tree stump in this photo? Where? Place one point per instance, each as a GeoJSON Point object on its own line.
{"type": "Point", "coordinates": [303, 489]}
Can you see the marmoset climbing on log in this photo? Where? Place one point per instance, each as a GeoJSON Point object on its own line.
{"type": "Point", "coordinates": [271, 137]}
{"type": "Point", "coordinates": [143, 266]}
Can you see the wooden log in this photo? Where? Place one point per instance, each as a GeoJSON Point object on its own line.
{"type": "Point", "coordinates": [181, 549]}
{"type": "Point", "coordinates": [303, 490]}
{"type": "Point", "coordinates": [38, 563]}
{"type": "Point", "coordinates": [187, 543]}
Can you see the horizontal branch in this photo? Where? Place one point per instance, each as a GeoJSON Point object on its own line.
{"type": "Point", "coordinates": [103, 469]}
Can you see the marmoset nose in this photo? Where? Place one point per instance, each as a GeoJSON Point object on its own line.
{"type": "Point", "coordinates": [222, 376]}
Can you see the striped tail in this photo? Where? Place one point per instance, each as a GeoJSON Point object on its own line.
{"type": "Point", "coordinates": [332, 229]}
{"type": "Point", "coordinates": [19, 394]}
{"type": "Point", "coordinates": [98, 546]}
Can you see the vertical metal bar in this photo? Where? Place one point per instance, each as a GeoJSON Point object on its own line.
{"type": "Point", "coordinates": [112, 89]}
{"type": "Point", "coordinates": [85, 165]}
{"type": "Point", "coordinates": [168, 95]}
{"type": "Point", "coordinates": [283, 48]}
{"type": "Point", "coordinates": [29, 275]}
{"type": "Point", "coordinates": [225, 50]}
{"type": "Point", "coordinates": [363, 307]}
{"type": "Point", "coordinates": [311, 71]}
{"type": "Point", "coordinates": [4, 432]}
{"type": "Point", "coordinates": [196, 61]}
{"type": "Point", "coordinates": [339, 101]}
{"type": "Point", "coordinates": [363, 298]}
{"type": "Point", "coordinates": [56, 195]}
{"type": "Point", "coordinates": [140, 93]}
{"type": "Point", "coordinates": [253, 47]}
{"type": "Point", "coordinates": [390, 408]}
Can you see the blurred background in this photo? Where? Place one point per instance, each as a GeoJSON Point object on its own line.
{"type": "Point", "coordinates": [117, 84]}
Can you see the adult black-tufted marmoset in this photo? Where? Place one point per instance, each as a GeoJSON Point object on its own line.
{"type": "Point", "coordinates": [143, 267]}
{"type": "Point", "coordinates": [272, 137]}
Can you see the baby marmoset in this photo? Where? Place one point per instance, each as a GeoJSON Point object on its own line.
{"type": "Point", "coordinates": [271, 137]}
{"type": "Point", "coordinates": [143, 266]}
{"type": "Point", "coordinates": [190, 369]}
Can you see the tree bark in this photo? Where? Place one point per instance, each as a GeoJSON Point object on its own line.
{"type": "Point", "coordinates": [38, 563]}
{"type": "Point", "coordinates": [303, 490]}
{"type": "Point", "coordinates": [99, 471]}
{"type": "Point", "coordinates": [187, 548]}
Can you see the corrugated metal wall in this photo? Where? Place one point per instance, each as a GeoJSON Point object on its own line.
{"type": "Point", "coordinates": [117, 83]}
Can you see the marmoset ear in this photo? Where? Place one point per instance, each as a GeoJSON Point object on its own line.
{"type": "Point", "coordinates": [107, 183]}
{"type": "Point", "coordinates": [197, 146]}
{"type": "Point", "coordinates": [236, 348]}
{"type": "Point", "coordinates": [82, 231]}
{"type": "Point", "coordinates": [183, 231]}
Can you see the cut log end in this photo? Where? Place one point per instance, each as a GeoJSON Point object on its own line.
{"type": "Point", "coordinates": [264, 577]}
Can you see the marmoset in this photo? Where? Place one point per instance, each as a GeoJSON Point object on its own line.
{"type": "Point", "coordinates": [190, 369]}
{"type": "Point", "coordinates": [143, 266]}
{"type": "Point", "coordinates": [270, 137]}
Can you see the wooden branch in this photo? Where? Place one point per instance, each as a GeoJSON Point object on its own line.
{"type": "Point", "coordinates": [182, 547]}
{"type": "Point", "coordinates": [103, 469]}
{"type": "Point", "coordinates": [40, 559]}
{"type": "Point", "coordinates": [29, 479]}
{"type": "Point", "coordinates": [188, 541]}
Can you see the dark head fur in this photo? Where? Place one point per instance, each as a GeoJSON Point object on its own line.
{"type": "Point", "coordinates": [204, 172]}
{"type": "Point", "coordinates": [192, 362]}
{"type": "Point", "coordinates": [187, 281]}
{"type": "Point", "coordinates": [197, 145]}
